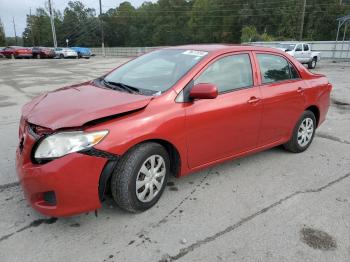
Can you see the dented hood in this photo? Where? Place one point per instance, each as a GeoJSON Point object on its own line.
{"type": "Point", "coordinates": [76, 105]}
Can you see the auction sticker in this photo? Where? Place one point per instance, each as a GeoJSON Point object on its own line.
{"type": "Point", "coordinates": [195, 53]}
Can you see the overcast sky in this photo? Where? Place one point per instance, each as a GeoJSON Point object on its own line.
{"type": "Point", "coordinates": [18, 9]}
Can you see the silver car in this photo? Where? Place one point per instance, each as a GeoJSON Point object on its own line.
{"type": "Point", "coordinates": [63, 52]}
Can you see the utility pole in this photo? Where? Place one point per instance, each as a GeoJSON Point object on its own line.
{"type": "Point", "coordinates": [14, 28]}
{"type": "Point", "coordinates": [31, 25]}
{"type": "Point", "coordinates": [302, 21]}
{"type": "Point", "coordinates": [52, 25]}
{"type": "Point", "coordinates": [102, 32]}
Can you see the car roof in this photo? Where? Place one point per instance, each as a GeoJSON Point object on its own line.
{"type": "Point", "coordinates": [223, 48]}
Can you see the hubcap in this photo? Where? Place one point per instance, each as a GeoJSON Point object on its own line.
{"type": "Point", "coordinates": [150, 178]}
{"type": "Point", "coordinates": [305, 132]}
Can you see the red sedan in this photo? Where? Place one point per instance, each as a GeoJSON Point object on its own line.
{"type": "Point", "coordinates": [17, 52]}
{"type": "Point", "coordinates": [170, 112]}
{"type": "Point", "coordinates": [43, 52]}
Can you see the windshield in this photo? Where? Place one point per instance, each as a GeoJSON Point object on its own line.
{"type": "Point", "coordinates": [289, 47]}
{"type": "Point", "coordinates": [156, 71]}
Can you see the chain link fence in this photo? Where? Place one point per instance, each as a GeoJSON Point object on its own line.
{"type": "Point", "coordinates": [328, 49]}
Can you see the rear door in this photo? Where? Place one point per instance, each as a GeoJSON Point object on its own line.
{"type": "Point", "coordinates": [229, 124]}
{"type": "Point", "coordinates": [282, 97]}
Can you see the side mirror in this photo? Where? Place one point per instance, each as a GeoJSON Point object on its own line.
{"type": "Point", "coordinates": [204, 91]}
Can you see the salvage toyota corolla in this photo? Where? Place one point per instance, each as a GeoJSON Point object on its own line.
{"type": "Point", "coordinates": [169, 112]}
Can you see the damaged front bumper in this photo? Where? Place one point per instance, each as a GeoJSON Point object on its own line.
{"type": "Point", "coordinates": [69, 185]}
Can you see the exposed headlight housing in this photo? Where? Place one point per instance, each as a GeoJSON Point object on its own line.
{"type": "Point", "coordinates": [63, 143]}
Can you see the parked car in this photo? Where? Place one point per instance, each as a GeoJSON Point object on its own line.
{"type": "Point", "coordinates": [83, 52]}
{"type": "Point", "coordinates": [43, 52]}
{"type": "Point", "coordinates": [169, 112]}
{"type": "Point", "coordinates": [1, 53]}
{"type": "Point", "coordinates": [302, 52]}
{"type": "Point", "coordinates": [63, 52]}
{"type": "Point", "coordinates": [17, 52]}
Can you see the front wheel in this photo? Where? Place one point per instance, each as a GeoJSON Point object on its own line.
{"type": "Point", "coordinates": [140, 177]}
{"type": "Point", "coordinates": [312, 64]}
{"type": "Point", "coordinates": [303, 133]}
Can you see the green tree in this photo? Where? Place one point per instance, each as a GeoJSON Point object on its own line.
{"type": "Point", "coordinates": [79, 25]}
{"type": "Point", "coordinates": [38, 31]}
{"type": "Point", "coordinates": [175, 22]}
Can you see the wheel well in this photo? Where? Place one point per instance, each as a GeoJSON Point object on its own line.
{"type": "Point", "coordinates": [175, 159]}
{"type": "Point", "coordinates": [315, 57]}
{"type": "Point", "coordinates": [175, 164]}
{"type": "Point", "coordinates": [316, 111]}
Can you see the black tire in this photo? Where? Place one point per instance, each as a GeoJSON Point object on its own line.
{"type": "Point", "coordinates": [123, 182]}
{"type": "Point", "coordinates": [292, 145]}
{"type": "Point", "coordinates": [312, 64]}
{"type": "Point", "coordinates": [61, 56]}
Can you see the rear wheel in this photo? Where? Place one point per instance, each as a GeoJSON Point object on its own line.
{"type": "Point", "coordinates": [303, 133]}
{"type": "Point", "coordinates": [312, 64]}
{"type": "Point", "coordinates": [61, 56]}
{"type": "Point", "coordinates": [140, 177]}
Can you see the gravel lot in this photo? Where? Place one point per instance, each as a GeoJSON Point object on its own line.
{"type": "Point", "coordinates": [271, 206]}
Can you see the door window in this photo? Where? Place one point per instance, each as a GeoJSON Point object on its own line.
{"type": "Point", "coordinates": [298, 48]}
{"type": "Point", "coordinates": [306, 47]}
{"type": "Point", "coordinates": [228, 73]}
{"type": "Point", "coordinates": [275, 68]}
{"type": "Point", "coordinates": [293, 72]}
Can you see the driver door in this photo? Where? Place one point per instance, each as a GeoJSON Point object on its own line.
{"type": "Point", "coordinates": [229, 124]}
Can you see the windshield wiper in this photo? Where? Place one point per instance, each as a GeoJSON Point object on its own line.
{"type": "Point", "coordinates": [128, 88]}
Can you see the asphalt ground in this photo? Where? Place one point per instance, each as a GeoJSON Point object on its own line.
{"type": "Point", "coordinates": [271, 206]}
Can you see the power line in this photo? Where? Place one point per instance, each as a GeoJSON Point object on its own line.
{"type": "Point", "coordinates": [231, 15]}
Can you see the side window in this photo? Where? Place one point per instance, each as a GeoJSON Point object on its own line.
{"type": "Point", "coordinates": [298, 48]}
{"type": "Point", "coordinates": [293, 72]}
{"type": "Point", "coordinates": [306, 47]}
{"type": "Point", "coordinates": [273, 68]}
{"type": "Point", "coordinates": [228, 73]}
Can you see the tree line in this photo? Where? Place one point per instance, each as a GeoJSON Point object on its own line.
{"type": "Point", "coordinates": [173, 22]}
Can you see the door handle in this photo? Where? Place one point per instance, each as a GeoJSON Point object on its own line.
{"type": "Point", "coordinates": [300, 90]}
{"type": "Point", "coordinates": [253, 100]}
